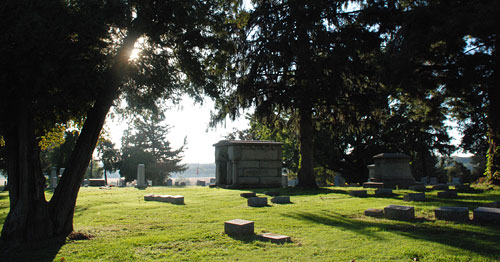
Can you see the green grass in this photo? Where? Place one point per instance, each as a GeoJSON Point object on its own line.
{"type": "Point", "coordinates": [325, 225]}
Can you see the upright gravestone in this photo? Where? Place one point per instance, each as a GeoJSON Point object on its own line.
{"type": "Point", "coordinates": [141, 176]}
{"type": "Point", "coordinates": [53, 177]}
{"type": "Point", "coordinates": [169, 182]}
{"type": "Point", "coordinates": [339, 180]}
{"type": "Point", "coordinates": [391, 169]}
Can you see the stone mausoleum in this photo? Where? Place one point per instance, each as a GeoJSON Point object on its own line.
{"type": "Point", "coordinates": [248, 164]}
{"type": "Point", "coordinates": [390, 170]}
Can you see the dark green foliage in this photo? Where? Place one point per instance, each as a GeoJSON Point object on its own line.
{"type": "Point", "coordinates": [305, 58]}
{"type": "Point", "coordinates": [147, 144]}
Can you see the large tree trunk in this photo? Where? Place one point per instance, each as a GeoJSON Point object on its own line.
{"type": "Point", "coordinates": [493, 156]}
{"type": "Point", "coordinates": [306, 164]}
{"type": "Point", "coordinates": [28, 218]}
{"type": "Point", "coordinates": [62, 204]}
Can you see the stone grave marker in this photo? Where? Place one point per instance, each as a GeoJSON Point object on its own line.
{"type": "Point", "coordinates": [396, 212]}
{"type": "Point", "coordinates": [272, 193]}
{"type": "Point", "coordinates": [419, 188]}
{"type": "Point", "coordinates": [462, 188]}
{"type": "Point", "coordinates": [452, 213]}
{"type": "Point", "coordinates": [383, 192]}
{"type": "Point", "coordinates": [200, 183]}
{"type": "Point", "coordinates": [487, 214]}
{"type": "Point", "coordinates": [239, 227]}
{"type": "Point", "coordinates": [53, 177]}
{"type": "Point", "coordinates": [495, 204]}
{"type": "Point", "coordinates": [281, 200]}
{"type": "Point", "coordinates": [248, 194]}
{"type": "Point", "coordinates": [274, 238]}
{"type": "Point", "coordinates": [373, 212]}
{"type": "Point", "coordinates": [447, 194]}
{"type": "Point", "coordinates": [358, 193]}
{"type": "Point", "coordinates": [169, 182]}
{"type": "Point", "coordinates": [257, 201]}
{"type": "Point", "coordinates": [141, 176]}
{"type": "Point", "coordinates": [391, 169]}
{"type": "Point", "coordinates": [440, 187]}
{"type": "Point", "coordinates": [433, 181]}
{"type": "Point", "coordinates": [417, 197]}
{"type": "Point", "coordinates": [339, 180]}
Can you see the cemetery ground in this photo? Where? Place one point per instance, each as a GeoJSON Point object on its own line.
{"type": "Point", "coordinates": [325, 225]}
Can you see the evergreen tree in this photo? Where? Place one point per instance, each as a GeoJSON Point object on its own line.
{"type": "Point", "coordinates": [147, 144]}
{"type": "Point", "coordinates": [304, 57]}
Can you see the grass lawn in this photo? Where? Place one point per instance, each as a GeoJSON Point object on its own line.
{"type": "Point", "coordinates": [325, 225]}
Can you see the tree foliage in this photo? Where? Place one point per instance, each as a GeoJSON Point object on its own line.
{"type": "Point", "coordinates": [146, 143]}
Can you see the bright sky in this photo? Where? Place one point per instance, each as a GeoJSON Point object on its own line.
{"type": "Point", "coordinates": [191, 121]}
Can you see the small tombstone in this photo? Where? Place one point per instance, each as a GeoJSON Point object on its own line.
{"type": "Point", "coordinates": [293, 182]}
{"type": "Point", "coordinates": [418, 197]}
{"type": "Point", "coordinates": [452, 213]}
{"type": "Point", "coordinates": [239, 227]}
{"type": "Point", "coordinates": [248, 194]}
{"type": "Point", "coordinates": [271, 193]}
{"type": "Point", "coordinates": [358, 193]}
{"type": "Point", "coordinates": [53, 177]}
{"type": "Point", "coordinates": [169, 182]}
{"type": "Point", "coordinates": [495, 204]}
{"type": "Point", "coordinates": [447, 194]}
{"type": "Point", "coordinates": [433, 181]}
{"type": "Point", "coordinates": [396, 212]}
{"type": "Point", "coordinates": [455, 181]}
{"type": "Point", "coordinates": [177, 200]}
{"type": "Point", "coordinates": [281, 200]}
{"type": "Point", "coordinates": [149, 197]}
{"type": "Point", "coordinates": [339, 180]}
{"type": "Point", "coordinates": [212, 180]}
{"type": "Point", "coordinates": [373, 212]}
{"type": "Point", "coordinates": [182, 184]}
{"type": "Point", "coordinates": [141, 176]}
{"type": "Point", "coordinates": [274, 238]}
{"type": "Point", "coordinates": [419, 188]}
{"type": "Point", "coordinates": [176, 183]}
{"type": "Point", "coordinates": [423, 180]}
{"type": "Point", "coordinates": [441, 187]}
{"type": "Point", "coordinates": [123, 182]}
{"type": "Point", "coordinates": [462, 188]}
{"type": "Point", "coordinates": [257, 201]}
{"type": "Point", "coordinates": [284, 181]}
{"type": "Point", "coordinates": [383, 192]}
{"type": "Point", "coordinates": [200, 183]}
{"type": "Point", "coordinates": [487, 214]}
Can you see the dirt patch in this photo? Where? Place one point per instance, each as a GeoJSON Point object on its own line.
{"type": "Point", "coordinates": [79, 236]}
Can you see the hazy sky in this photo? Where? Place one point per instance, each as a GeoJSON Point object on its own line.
{"type": "Point", "coordinates": [191, 121]}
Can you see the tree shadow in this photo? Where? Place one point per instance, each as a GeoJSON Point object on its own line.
{"type": "Point", "coordinates": [295, 191]}
{"type": "Point", "coordinates": [482, 243]}
{"type": "Point", "coordinates": [42, 251]}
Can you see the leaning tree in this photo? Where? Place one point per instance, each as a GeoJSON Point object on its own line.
{"type": "Point", "coordinates": [70, 60]}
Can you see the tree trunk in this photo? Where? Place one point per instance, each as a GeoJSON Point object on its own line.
{"type": "Point", "coordinates": [28, 218]}
{"type": "Point", "coordinates": [62, 204]}
{"type": "Point", "coordinates": [493, 155]}
{"type": "Point", "coordinates": [306, 163]}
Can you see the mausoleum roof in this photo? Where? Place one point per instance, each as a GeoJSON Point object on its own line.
{"type": "Point", "coordinates": [391, 155]}
{"type": "Point", "coordinates": [246, 142]}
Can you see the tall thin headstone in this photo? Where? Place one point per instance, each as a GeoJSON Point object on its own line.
{"type": "Point", "coordinates": [141, 176]}
{"type": "Point", "coordinates": [53, 177]}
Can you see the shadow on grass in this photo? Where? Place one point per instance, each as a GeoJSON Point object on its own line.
{"type": "Point", "coordinates": [253, 238]}
{"type": "Point", "coordinates": [39, 251]}
{"type": "Point", "coordinates": [296, 191]}
{"type": "Point", "coordinates": [485, 244]}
